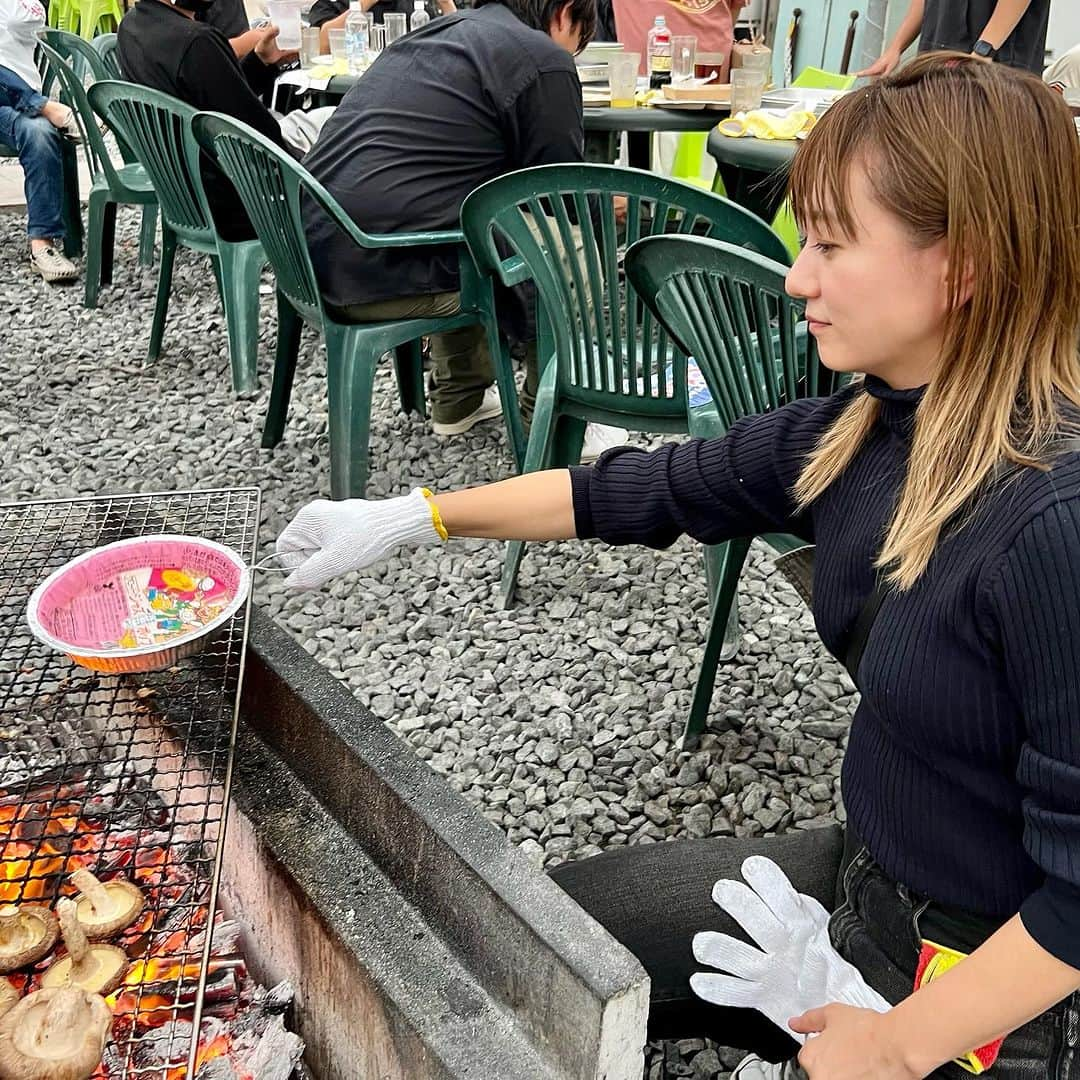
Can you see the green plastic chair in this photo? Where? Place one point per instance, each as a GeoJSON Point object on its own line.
{"type": "Point", "coordinates": [273, 188]}
{"type": "Point", "coordinates": [605, 359]}
{"type": "Point", "coordinates": [727, 307]}
{"type": "Point", "coordinates": [98, 16]}
{"type": "Point", "coordinates": [64, 15]}
{"type": "Point", "coordinates": [105, 47]}
{"type": "Point", "coordinates": [812, 78]}
{"type": "Point", "coordinates": [158, 129]}
{"type": "Point", "coordinates": [69, 58]}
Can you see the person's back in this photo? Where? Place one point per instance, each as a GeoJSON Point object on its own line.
{"type": "Point", "coordinates": [465, 99]}
{"type": "Point", "coordinates": [161, 46]}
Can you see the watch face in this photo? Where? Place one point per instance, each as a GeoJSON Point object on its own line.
{"type": "Point", "coordinates": [983, 48]}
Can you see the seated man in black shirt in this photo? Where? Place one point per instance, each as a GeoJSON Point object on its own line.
{"type": "Point", "coordinates": [162, 46]}
{"type": "Point", "coordinates": [470, 96]}
{"type": "Point", "coordinates": [331, 14]}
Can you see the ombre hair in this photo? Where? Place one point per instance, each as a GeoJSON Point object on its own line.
{"type": "Point", "coordinates": [987, 158]}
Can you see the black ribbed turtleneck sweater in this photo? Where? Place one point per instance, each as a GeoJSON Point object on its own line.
{"type": "Point", "coordinates": [962, 772]}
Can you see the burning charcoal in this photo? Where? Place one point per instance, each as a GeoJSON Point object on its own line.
{"type": "Point", "coordinates": [275, 1055]}
{"type": "Point", "coordinates": [58, 1033]}
{"type": "Point", "coordinates": [97, 968]}
{"type": "Point", "coordinates": [27, 933]}
{"type": "Point", "coordinates": [105, 908]}
{"type": "Point", "coordinates": [219, 1068]}
{"type": "Point", "coordinates": [277, 999]}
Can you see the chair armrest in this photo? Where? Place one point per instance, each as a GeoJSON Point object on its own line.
{"type": "Point", "coordinates": [419, 239]}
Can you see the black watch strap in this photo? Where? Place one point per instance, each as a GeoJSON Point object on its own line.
{"type": "Point", "coordinates": [984, 49]}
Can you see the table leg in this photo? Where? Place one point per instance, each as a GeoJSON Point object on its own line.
{"type": "Point", "coordinates": [640, 147]}
{"type": "Point", "coordinates": [601, 147]}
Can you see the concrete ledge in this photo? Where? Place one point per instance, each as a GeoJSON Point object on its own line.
{"type": "Point", "coordinates": [575, 995]}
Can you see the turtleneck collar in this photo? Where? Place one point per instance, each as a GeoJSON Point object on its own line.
{"type": "Point", "coordinates": [897, 406]}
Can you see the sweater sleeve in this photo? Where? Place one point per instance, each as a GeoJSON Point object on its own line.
{"type": "Point", "coordinates": [1036, 596]}
{"type": "Point", "coordinates": [710, 489]}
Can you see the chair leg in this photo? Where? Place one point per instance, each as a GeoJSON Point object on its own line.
{"type": "Point", "coordinates": [290, 327]}
{"type": "Point", "coordinates": [108, 244]}
{"type": "Point", "coordinates": [240, 267]}
{"type": "Point", "coordinates": [715, 557]}
{"type": "Point", "coordinates": [148, 234]}
{"type": "Point", "coordinates": [409, 369]}
{"type": "Point", "coordinates": [95, 239]}
{"type": "Point", "coordinates": [350, 376]}
{"type": "Point", "coordinates": [537, 456]}
{"type": "Point", "coordinates": [164, 288]}
{"type": "Point", "coordinates": [567, 444]}
{"type": "Point", "coordinates": [71, 207]}
{"type": "Point", "coordinates": [499, 351]}
{"type": "Point", "coordinates": [733, 557]}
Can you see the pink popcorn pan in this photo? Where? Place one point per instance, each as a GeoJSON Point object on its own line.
{"type": "Point", "coordinates": [140, 604]}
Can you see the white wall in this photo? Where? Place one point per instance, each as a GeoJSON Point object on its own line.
{"type": "Point", "coordinates": [1064, 30]}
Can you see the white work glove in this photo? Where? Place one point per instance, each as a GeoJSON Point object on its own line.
{"type": "Point", "coordinates": [330, 538]}
{"type": "Point", "coordinates": [796, 968]}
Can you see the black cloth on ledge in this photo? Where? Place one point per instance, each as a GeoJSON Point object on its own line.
{"type": "Point", "coordinates": [322, 11]}
{"type": "Point", "coordinates": [162, 48]}
{"type": "Point", "coordinates": [467, 98]}
{"type": "Point", "coordinates": [962, 772]}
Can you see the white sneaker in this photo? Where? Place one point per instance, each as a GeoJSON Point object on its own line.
{"type": "Point", "coordinates": [753, 1068]}
{"type": "Point", "coordinates": [489, 408]}
{"type": "Point", "coordinates": [53, 265]}
{"type": "Point", "coordinates": [601, 437]}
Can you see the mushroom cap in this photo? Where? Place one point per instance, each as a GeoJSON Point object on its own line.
{"type": "Point", "coordinates": [35, 936]}
{"type": "Point", "coordinates": [105, 968]}
{"type": "Point", "coordinates": [125, 906]}
{"type": "Point", "coordinates": [56, 1034]}
{"type": "Point", "coordinates": [8, 996]}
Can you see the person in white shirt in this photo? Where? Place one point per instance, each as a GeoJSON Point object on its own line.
{"type": "Point", "coordinates": [1063, 75]}
{"type": "Point", "coordinates": [33, 126]}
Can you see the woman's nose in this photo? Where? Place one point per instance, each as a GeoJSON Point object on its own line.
{"type": "Point", "coordinates": [800, 281]}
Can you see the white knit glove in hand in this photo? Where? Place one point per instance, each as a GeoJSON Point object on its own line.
{"type": "Point", "coordinates": [796, 968]}
{"type": "Point", "coordinates": [326, 538]}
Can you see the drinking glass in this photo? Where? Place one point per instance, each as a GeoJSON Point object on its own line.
{"type": "Point", "coordinates": [746, 90]}
{"type": "Point", "coordinates": [395, 26]}
{"type": "Point", "coordinates": [683, 55]}
{"type": "Point", "coordinates": [310, 49]}
{"type": "Point", "coordinates": [622, 78]}
{"type": "Point", "coordinates": [338, 49]}
{"type": "Point", "coordinates": [285, 15]}
{"type": "Point", "coordinates": [377, 39]}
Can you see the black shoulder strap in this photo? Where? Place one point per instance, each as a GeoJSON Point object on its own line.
{"type": "Point", "coordinates": [864, 623]}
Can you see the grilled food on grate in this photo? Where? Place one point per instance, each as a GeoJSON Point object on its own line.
{"type": "Point", "coordinates": [54, 1034]}
{"type": "Point", "coordinates": [27, 933]}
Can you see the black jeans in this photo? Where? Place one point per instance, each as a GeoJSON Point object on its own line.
{"type": "Point", "coordinates": [654, 898]}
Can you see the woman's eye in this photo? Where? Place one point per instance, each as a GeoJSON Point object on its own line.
{"type": "Point", "coordinates": [824, 248]}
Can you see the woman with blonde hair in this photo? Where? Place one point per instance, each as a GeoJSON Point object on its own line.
{"type": "Point", "coordinates": [941, 207]}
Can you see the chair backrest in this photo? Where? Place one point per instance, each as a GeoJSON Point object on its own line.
{"type": "Point", "coordinates": [86, 59]}
{"type": "Point", "coordinates": [727, 308]}
{"type": "Point", "coordinates": [64, 67]}
{"type": "Point", "coordinates": [105, 46]}
{"type": "Point", "coordinates": [271, 185]}
{"type": "Point", "coordinates": [157, 128]}
{"type": "Point", "coordinates": [812, 78]}
{"type": "Point", "coordinates": [605, 340]}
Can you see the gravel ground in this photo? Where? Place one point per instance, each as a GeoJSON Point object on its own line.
{"type": "Point", "coordinates": [559, 718]}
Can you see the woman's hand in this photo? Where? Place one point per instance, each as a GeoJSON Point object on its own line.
{"type": "Point", "coordinates": [851, 1044]}
{"type": "Point", "coordinates": [881, 66]}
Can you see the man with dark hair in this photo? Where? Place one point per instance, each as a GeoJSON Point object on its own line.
{"type": "Point", "coordinates": [468, 97]}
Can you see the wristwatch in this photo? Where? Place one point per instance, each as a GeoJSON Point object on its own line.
{"type": "Point", "coordinates": [984, 49]}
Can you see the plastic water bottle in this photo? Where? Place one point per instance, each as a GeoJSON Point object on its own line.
{"type": "Point", "coordinates": [419, 16]}
{"type": "Point", "coordinates": [356, 38]}
{"type": "Point", "coordinates": [659, 49]}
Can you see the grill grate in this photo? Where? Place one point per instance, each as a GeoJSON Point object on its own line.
{"type": "Point", "coordinates": [91, 775]}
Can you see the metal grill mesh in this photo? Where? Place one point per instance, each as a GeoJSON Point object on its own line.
{"type": "Point", "coordinates": [91, 776]}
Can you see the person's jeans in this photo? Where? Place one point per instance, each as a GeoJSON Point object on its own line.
{"type": "Point", "coordinates": [654, 898]}
{"type": "Point", "coordinates": [37, 143]}
{"type": "Point", "coordinates": [17, 93]}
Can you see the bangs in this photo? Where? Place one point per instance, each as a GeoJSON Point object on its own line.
{"type": "Point", "coordinates": [819, 186]}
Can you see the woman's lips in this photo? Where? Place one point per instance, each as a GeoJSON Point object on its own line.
{"type": "Point", "coordinates": [815, 326]}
